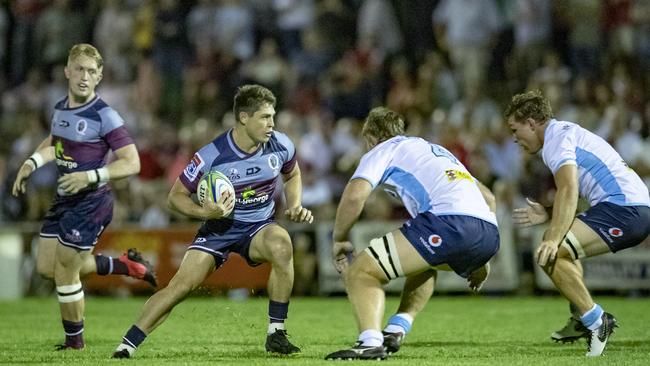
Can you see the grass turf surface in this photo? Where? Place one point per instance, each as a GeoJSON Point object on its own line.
{"type": "Point", "coordinates": [450, 331]}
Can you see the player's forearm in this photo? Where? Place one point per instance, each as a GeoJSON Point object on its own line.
{"type": "Point", "coordinates": [43, 154]}
{"type": "Point", "coordinates": [488, 196]}
{"type": "Point", "coordinates": [347, 214]}
{"type": "Point", "coordinates": [123, 168]}
{"type": "Point", "coordinates": [182, 203]}
{"type": "Point", "coordinates": [293, 191]}
{"type": "Point", "coordinates": [564, 210]}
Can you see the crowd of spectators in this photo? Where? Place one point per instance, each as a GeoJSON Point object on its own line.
{"type": "Point", "coordinates": [449, 67]}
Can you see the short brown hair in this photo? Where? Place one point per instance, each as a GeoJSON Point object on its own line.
{"type": "Point", "coordinates": [88, 50]}
{"type": "Point", "coordinates": [382, 124]}
{"type": "Point", "coordinates": [530, 104]}
{"type": "Point", "coordinates": [250, 98]}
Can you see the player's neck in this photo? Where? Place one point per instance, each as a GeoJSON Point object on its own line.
{"type": "Point", "coordinates": [244, 142]}
{"type": "Point", "coordinates": [77, 102]}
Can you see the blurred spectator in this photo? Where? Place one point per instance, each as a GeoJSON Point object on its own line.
{"type": "Point", "coordinates": [58, 28]}
{"type": "Point", "coordinates": [467, 29]}
{"type": "Point", "coordinates": [113, 37]}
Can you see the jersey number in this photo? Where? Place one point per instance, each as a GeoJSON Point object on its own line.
{"type": "Point", "coordinates": [441, 152]}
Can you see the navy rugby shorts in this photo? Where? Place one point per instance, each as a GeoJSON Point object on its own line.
{"type": "Point", "coordinates": [465, 243]}
{"type": "Point", "coordinates": [620, 227]}
{"type": "Point", "coordinates": [220, 237]}
{"type": "Point", "coordinates": [77, 221]}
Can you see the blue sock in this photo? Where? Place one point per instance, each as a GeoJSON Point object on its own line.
{"type": "Point", "coordinates": [400, 322]}
{"type": "Point", "coordinates": [592, 319]}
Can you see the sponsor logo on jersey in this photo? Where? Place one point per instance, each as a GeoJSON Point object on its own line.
{"type": "Point", "coordinates": [194, 167]}
{"type": "Point", "coordinates": [61, 158]}
{"type": "Point", "coordinates": [247, 193]}
{"type": "Point", "coordinates": [274, 162]}
{"type": "Point", "coordinates": [453, 175]}
{"type": "Point", "coordinates": [200, 240]}
{"type": "Point", "coordinates": [252, 171]}
{"type": "Point", "coordinates": [233, 174]}
{"type": "Point", "coordinates": [248, 201]}
{"type": "Point", "coordinates": [82, 125]}
{"type": "Point", "coordinates": [615, 232]}
{"type": "Point", "coordinates": [64, 123]}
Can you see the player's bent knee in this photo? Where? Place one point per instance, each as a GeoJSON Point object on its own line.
{"type": "Point", "coordinates": [280, 250]}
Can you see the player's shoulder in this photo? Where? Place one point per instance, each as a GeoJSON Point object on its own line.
{"type": "Point", "coordinates": [281, 138]}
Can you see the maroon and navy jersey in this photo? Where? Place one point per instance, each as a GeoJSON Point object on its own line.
{"type": "Point", "coordinates": [254, 176]}
{"type": "Point", "coordinates": [83, 135]}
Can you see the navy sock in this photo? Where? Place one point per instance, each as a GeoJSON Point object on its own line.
{"type": "Point", "coordinates": [74, 333]}
{"type": "Point", "coordinates": [134, 337]}
{"type": "Point", "coordinates": [278, 311]}
{"type": "Point", "coordinates": [108, 265]}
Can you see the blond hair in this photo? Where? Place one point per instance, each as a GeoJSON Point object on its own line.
{"type": "Point", "coordinates": [382, 124]}
{"type": "Point", "coordinates": [88, 50]}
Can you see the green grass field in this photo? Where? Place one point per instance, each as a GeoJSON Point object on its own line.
{"type": "Point", "coordinates": [450, 331]}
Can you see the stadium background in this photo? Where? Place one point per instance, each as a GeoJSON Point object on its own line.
{"type": "Point", "coordinates": [171, 68]}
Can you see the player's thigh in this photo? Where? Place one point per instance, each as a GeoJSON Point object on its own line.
{"type": "Point", "coordinates": [390, 257]}
{"type": "Point", "coordinates": [45, 256]}
{"type": "Point", "coordinates": [581, 242]}
{"type": "Point", "coordinates": [270, 243]}
{"type": "Point", "coordinates": [195, 267]}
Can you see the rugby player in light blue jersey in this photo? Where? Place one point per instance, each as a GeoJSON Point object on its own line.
{"type": "Point", "coordinates": [583, 164]}
{"type": "Point", "coordinates": [253, 156]}
{"type": "Point", "coordinates": [84, 128]}
{"type": "Point", "coordinates": [452, 227]}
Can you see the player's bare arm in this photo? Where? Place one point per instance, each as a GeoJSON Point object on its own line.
{"type": "Point", "coordinates": [564, 210]}
{"type": "Point", "coordinates": [44, 154]}
{"type": "Point", "coordinates": [533, 214]}
{"type": "Point", "coordinates": [488, 196]}
{"type": "Point", "coordinates": [353, 199]}
{"type": "Point", "coordinates": [293, 193]}
{"type": "Point", "coordinates": [180, 199]}
{"type": "Point", "coordinates": [126, 164]}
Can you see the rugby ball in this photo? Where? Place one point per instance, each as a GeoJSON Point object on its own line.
{"type": "Point", "coordinates": [212, 185]}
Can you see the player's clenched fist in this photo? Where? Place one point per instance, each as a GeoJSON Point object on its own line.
{"type": "Point", "coordinates": [299, 214]}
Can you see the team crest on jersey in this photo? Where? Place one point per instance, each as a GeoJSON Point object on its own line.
{"type": "Point", "coordinates": [274, 162]}
{"type": "Point", "coordinates": [615, 232]}
{"type": "Point", "coordinates": [435, 240]}
{"type": "Point", "coordinates": [82, 125]}
{"type": "Point", "coordinates": [233, 174]}
{"type": "Point", "coordinates": [194, 167]}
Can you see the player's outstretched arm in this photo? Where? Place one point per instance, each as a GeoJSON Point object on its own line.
{"type": "Point", "coordinates": [533, 214]}
{"type": "Point", "coordinates": [179, 199]}
{"type": "Point", "coordinates": [44, 154]}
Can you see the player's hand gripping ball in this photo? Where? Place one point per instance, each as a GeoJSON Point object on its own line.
{"type": "Point", "coordinates": [212, 186]}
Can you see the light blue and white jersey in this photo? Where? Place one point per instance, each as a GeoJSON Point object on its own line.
{"type": "Point", "coordinates": [425, 176]}
{"type": "Point", "coordinates": [603, 176]}
{"type": "Point", "coordinates": [254, 176]}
